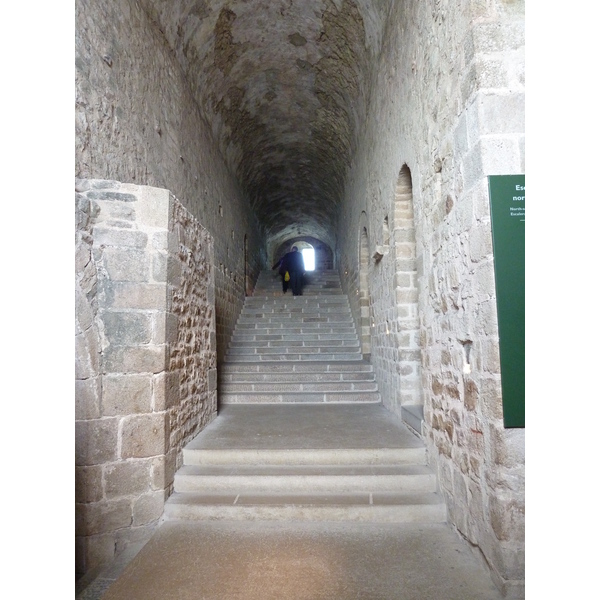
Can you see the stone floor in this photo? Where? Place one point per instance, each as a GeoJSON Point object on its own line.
{"type": "Point", "coordinates": [252, 560]}
{"type": "Point", "coordinates": [297, 561]}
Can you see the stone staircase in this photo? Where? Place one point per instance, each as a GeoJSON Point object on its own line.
{"type": "Point", "coordinates": [296, 349]}
{"type": "Point", "coordinates": [301, 433]}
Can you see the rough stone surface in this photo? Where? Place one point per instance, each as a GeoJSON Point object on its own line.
{"type": "Point", "coordinates": [145, 355]}
{"type": "Point", "coordinates": [369, 126]}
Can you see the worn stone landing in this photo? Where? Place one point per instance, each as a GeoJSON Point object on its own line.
{"type": "Point", "coordinates": [290, 427]}
{"type": "Point", "coordinates": [304, 561]}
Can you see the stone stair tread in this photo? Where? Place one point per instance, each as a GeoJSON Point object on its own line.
{"type": "Point", "coordinates": [316, 347]}
{"type": "Point", "coordinates": [292, 377]}
{"type": "Point", "coordinates": [318, 479]}
{"type": "Point", "coordinates": [256, 381]}
{"type": "Point", "coordinates": [298, 367]}
{"type": "Point", "coordinates": [388, 507]}
{"type": "Point", "coordinates": [307, 343]}
{"type": "Point", "coordinates": [286, 470]}
{"type": "Point", "coordinates": [200, 455]}
{"type": "Point", "coordinates": [300, 397]}
{"type": "Point", "coordinates": [298, 386]}
{"type": "Point", "coordinates": [307, 499]}
{"type": "Point", "coordinates": [299, 356]}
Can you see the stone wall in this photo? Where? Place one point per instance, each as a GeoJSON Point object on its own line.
{"type": "Point", "coordinates": [137, 122]}
{"type": "Point", "coordinates": [145, 357]}
{"type": "Point", "coordinates": [450, 90]}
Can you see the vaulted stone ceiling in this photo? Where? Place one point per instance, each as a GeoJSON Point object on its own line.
{"type": "Point", "coordinates": [284, 84]}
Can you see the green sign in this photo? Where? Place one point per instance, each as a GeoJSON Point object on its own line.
{"type": "Point", "coordinates": [507, 204]}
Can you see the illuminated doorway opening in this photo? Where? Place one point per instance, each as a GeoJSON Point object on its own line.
{"type": "Point", "coordinates": [308, 254]}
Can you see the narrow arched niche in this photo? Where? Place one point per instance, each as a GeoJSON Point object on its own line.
{"type": "Point", "coordinates": [364, 296]}
{"type": "Point", "coordinates": [404, 252]}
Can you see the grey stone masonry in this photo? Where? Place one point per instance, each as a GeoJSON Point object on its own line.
{"type": "Point", "coordinates": [145, 357]}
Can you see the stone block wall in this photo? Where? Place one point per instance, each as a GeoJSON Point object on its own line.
{"type": "Point", "coordinates": [145, 357]}
{"type": "Point", "coordinates": [450, 90]}
{"type": "Point", "coordinates": [137, 121]}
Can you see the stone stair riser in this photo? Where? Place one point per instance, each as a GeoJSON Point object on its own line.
{"type": "Point", "coordinates": [254, 378]}
{"type": "Point", "coordinates": [408, 513]}
{"type": "Point", "coordinates": [289, 387]}
{"type": "Point", "coordinates": [307, 367]}
{"type": "Point", "coordinates": [275, 484]}
{"type": "Point", "coordinates": [298, 357]}
{"type": "Point", "coordinates": [309, 456]}
{"type": "Point", "coordinates": [303, 397]}
{"type": "Point", "coordinates": [259, 344]}
{"type": "Point", "coordinates": [290, 337]}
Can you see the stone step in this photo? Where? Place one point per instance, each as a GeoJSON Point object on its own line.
{"type": "Point", "coordinates": [274, 377]}
{"type": "Point", "coordinates": [305, 367]}
{"type": "Point", "coordinates": [284, 336]}
{"type": "Point", "coordinates": [297, 356]}
{"type": "Point", "coordinates": [340, 314]}
{"type": "Point", "coordinates": [291, 327]}
{"type": "Point", "coordinates": [288, 387]}
{"type": "Point", "coordinates": [299, 342]}
{"type": "Point", "coordinates": [193, 455]}
{"type": "Point", "coordinates": [287, 301]}
{"type": "Point", "coordinates": [290, 397]}
{"type": "Point", "coordinates": [297, 318]}
{"type": "Point", "coordinates": [322, 283]}
{"type": "Point", "coordinates": [387, 507]}
{"type": "Point", "coordinates": [296, 348]}
{"type": "Point", "coordinates": [253, 479]}
{"type": "Point", "coordinates": [296, 301]}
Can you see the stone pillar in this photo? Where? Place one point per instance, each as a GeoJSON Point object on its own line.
{"type": "Point", "coordinates": [145, 357]}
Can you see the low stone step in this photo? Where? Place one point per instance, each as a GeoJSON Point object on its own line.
{"type": "Point", "coordinates": [297, 356]}
{"type": "Point", "coordinates": [388, 507]}
{"type": "Point", "coordinates": [289, 387]}
{"type": "Point", "coordinates": [296, 301]}
{"type": "Point", "coordinates": [294, 343]}
{"type": "Point", "coordinates": [328, 347]}
{"type": "Point", "coordinates": [193, 455]}
{"type": "Point", "coordinates": [305, 478]}
{"type": "Point", "coordinates": [298, 307]}
{"type": "Point", "coordinates": [290, 397]}
{"type": "Point", "coordinates": [290, 337]}
{"type": "Point", "coordinates": [274, 377]}
{"type": "Point", "coordinates": [298, 319]}
{"type": "Point", "coordinates": [290, 327]}
{"type": "Point", "coordinates": [298, 367]}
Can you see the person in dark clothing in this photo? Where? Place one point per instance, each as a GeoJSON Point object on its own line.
{"type": "Point", "coordinates": [282, 270]}
{"type": "Point", "coordinates": [293, 263]}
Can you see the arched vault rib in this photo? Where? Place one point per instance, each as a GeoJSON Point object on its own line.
{"type": "Point", "coordinates": [284, 85]}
